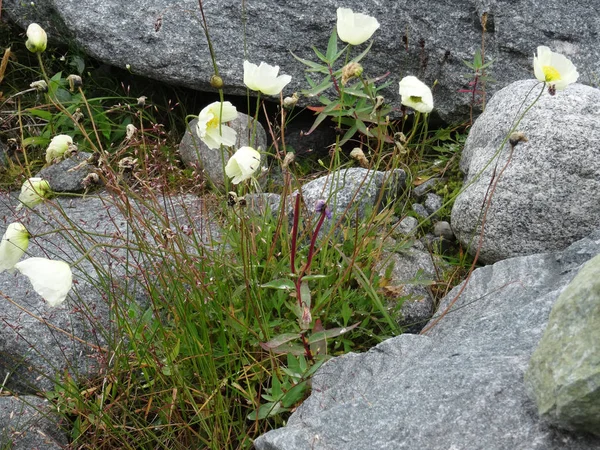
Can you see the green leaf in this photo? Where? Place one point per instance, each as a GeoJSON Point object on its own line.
{"type": "Point", "coordinates": [327, 334]}
{"type": "Point", "coordinates": [363, 128]}
{"type": "Point", "coordinates": [313, 277]}
{"type": "Point", "coordinates": [332, 47]}
{"type": "Point", "coordinates": [279, 340]}
{"type": "Point", "coordinates": [305, 294]}
{"type": "Point", "coordinates": [317, 89]}
{"type": "Point", "coordinates": [42, 114]}
{"type": "Point", "coordinates": [314, 67]}
{"type": "Point", "coordinates": [35, 140]}
{"type": "Point", "coordinates": [349, 134]}
{"type": "Point", "coordinates": [320, 118]}
{"type": "Point", "coordinates": [276, 391]}
{"type": "Point", "coordinates": [266, 410]}
{"type": "Point", "coordinates": [320, 55]}
{"type": "Point", "coordinates": [280, 283]}
{"type": "Point", "coordinates": [294, 395]}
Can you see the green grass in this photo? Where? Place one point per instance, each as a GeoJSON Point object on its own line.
{"type": "Point", "coordinates": [215, 358]}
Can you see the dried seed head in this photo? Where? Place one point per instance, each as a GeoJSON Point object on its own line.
{"type": "Point", "coordinates": [290, 157]}
{"type": "Point", "coordinates": [290, 102]}
{"type": "Point", "coordinates": [40, 86]}
{"type": "Point", "coordinates": [126, 164]}
{"type": "Point", "coordinates": [77, 115]}
{"type": "Point", "coordinates": [130, 131]}
{"type": "Point", "coordinates": [74, 82]}
{"type": "Point", "coordinates": [71, 150]}
{"type": "Point", "coordinates": [359, 155]}
{"type": "Point", "coordinates": [90, 179]}
{"type": "Point", "coordinates": [516, 137]}
{"type": "Point", "coordinates": [351, 70]}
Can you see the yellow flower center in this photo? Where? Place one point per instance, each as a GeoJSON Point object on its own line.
{"type": "Point", "coordinates": [416, 99]}
{"type": "Point", "coordinates": [551, 73]}
{"type": "Point", "coordinates": [213, 123]}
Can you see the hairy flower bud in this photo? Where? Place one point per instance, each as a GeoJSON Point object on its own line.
{"type": "Point", "coordinates": [216, 82]}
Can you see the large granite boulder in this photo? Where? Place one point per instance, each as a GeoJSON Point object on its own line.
{"type": "Point", "coordinates": [564, 371]}
{"type": "Point", "coordinates": [212, 161]}
{"type": "Point", "coordinates": [429, 39]}
{"type": "Point", "coordinates": [458, 387]}
{"type": "Point", "coordinates": [547, 197]}
{"type": "Point", "coordinates": [27, 424]}
{"type": "Point", "coordinates": [355, 192]}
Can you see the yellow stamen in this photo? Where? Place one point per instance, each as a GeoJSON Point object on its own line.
{"type": "Point", "coordinates": [551, 73]}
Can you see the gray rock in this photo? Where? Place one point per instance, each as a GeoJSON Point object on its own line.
{"type": "Point", "coordinates": [422, 189]}
{"type": "Point", "coordinates": [164, 40]}
{"type": "Point", "coordinates": [546, 197]}
{"type": "Point", "coordinates": [261, 203]}
{"type": "Point", "coordinates": [564, 375]}
{"type": "Point", "coordinates": [193, 151]}
{"type": "Point", "coordinates": [27, 424]}
{"type": "Point", "coordinates": [407, 226]}
{"type": "Point", "coordinates": [34, 349]}
{"type": "Point", "coordinates": [420, 210]}
{"type": "Point", "coordinates": [433, 203]}
{"type": "Point", "coordinates": [68, 174]}
{"type": "Point", "coordinates": [412, 273]}
{"type": "Point", "coordinates": [458, 387]}
{"type": "Point", "coordinates": [444, 230]}
{"type": "Point", "coordinates": [352, 193]}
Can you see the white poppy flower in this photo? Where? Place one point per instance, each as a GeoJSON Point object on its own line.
{"type": "Point", "coordinates": [553, 68]}
{"type": "Point", "coordinates": [416, 94]}
{"type": "Point", "coordinates": [211, 119]}
{"type": "Point", "coordinates": [36, 38]}
{"type": "Point", "coordinates": [242, 164]}
{"type": "Point", "coordinates": [33, 191]}
{"type": "Point", "coordinates": [264, 78]}
{"type": "Point", "coordinates": [50, 278]}
{"type": "Point", "coordinates": [355, 28]}
{"type": "Point", "coordinates": [13, 246]}
{"type": "Point", "coordinates": [58, 147]}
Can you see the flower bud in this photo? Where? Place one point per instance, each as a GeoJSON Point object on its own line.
{"type": "Point", "coordinates": [74, 82]}
{"type": "Point", "coordinates": [141, 101]}
{"type": "Point", "coordinates": [40, 86]}
{"type": "Point", "coordinates": [36, 38]}
{"type": "Point", "coordinates": [216, 82]}
{"type": "Point", "coordinates": [351, 70]}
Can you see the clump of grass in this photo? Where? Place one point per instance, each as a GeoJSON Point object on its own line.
{"type": "Point", "coordinates": [233, 325]}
